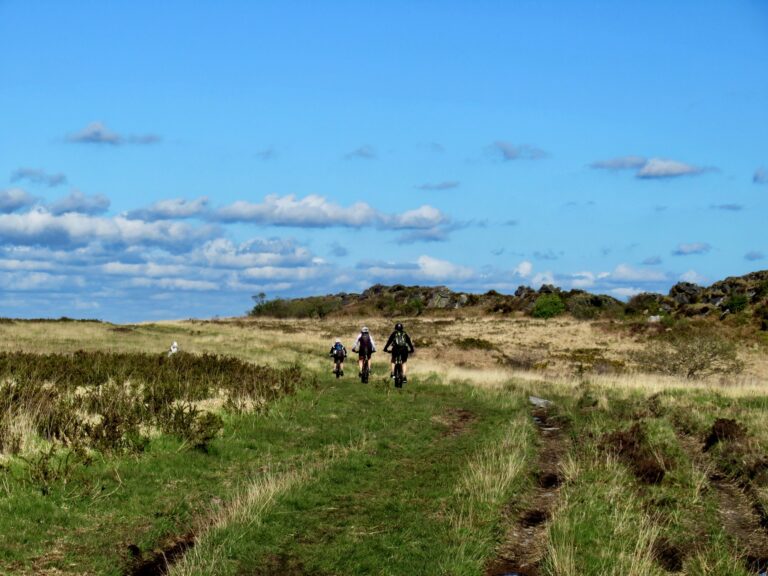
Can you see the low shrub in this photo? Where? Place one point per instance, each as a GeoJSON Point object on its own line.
{"type": "Point", "coordinates": [548, 306]}
{"type": "Point", "coordinates": [690, 355]}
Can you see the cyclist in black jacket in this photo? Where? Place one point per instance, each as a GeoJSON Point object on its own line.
{"type": "Point", "coordinates": [400, 344]}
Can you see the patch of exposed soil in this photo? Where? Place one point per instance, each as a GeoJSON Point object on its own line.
{"type": "Point", "coordinates": [669, 556]}
{"type": "Point", "coordinates": [456, 421]}
{"type": "Point", "coordinates": [723, 429]}
{"type": "Point", "coordinates": [740, 519]}
{"type": "Point", "coordinates": [632, 447]}
{"type": "Point", "coordinates": [525, 542]}
{"type": "Point", "coordinates": [157, 564]}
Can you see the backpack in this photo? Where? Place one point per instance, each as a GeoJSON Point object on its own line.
{"type": "Point", "coordinates": [400, 341]}
{"type": "Point", "coordinates": [365, 342]}
{"type": "Point", "coordinates": [338, 349]}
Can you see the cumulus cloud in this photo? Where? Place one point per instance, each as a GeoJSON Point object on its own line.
{"type": "Point", "coordinates": [524, 269]}
{"type": "Point", "coordinates": [98, 133]}
{"type": "Point", "coordinates": [43, 228]}
{"type": "Point", "coordinates": [364, 152]}
{"type": "Point", "coordinates": [650, 168]}
{"type": "Point", "coordinates": [318, 212]}
{"type": "Point", "coordinates": [691, 248]}
{"type": "Point", "coordinates": [760, 176]}
{"type": "Point", "coordinates": [507, 151]}
{"type": "Point", "coordinates": [37, 176]}
{"type": "Point", "coordinates": [445, 185]}
{"type": "Point", "coordinates": [15, 199]}
{"type": "Point", "coordinates": [172, 209]}
{"type": "Point", "coordinates": [662, 168]}
{"type": "Point", "coordinates": [625, 273]}
{"type": "Point", "coordinates": [76, 201]}
{"type": "Point", "coordinates": [754, 255]}
{"type": "Point", "coordinates": [223, 253]}
{"type": "Point", "coordinates": [312, 211]}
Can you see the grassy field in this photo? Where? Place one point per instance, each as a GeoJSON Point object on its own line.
{"type": "Point", "coordinates": [244, 455]}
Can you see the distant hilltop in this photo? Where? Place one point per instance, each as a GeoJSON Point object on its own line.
{"type": "Point", "coordinates": [746, 296]}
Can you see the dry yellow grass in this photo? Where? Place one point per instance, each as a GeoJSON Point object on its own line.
{"type": "Point", "coordinates": [557, 343]}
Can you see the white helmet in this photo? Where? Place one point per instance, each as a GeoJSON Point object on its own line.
{"type": "Point", "coordinates": [364, 329]}
{"type": "Point", "coordinates": [338, 340]}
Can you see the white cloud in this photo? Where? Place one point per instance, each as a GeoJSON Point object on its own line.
{"type": "Point", "coordinates": [693, 277]}
{"type": "Point", "coordinates": [543, 278]}
{"type": "Point", "coordinates": [646, 168]}
{"type": "Point", "coordinates": [14, 199]}
{"type": "Point", "coordinates": [315, 211]}
{"type": "Point", "coordinates": [423, 217]}
{"type": "Point", "coordinates": [625, 292]}
{"type": "Point", "coordinates": [524, 269]}
{"type": "Point", "coordinates": [691, 248]}
{"type": "Point", "coordinates": [175, 208]}
{"type": "Point", "coordinates": [662, 168]}
{"type": "Point", "coordinates": [40, 227]}
{"type": "Point", "coordinates": [223, 253]}
{"type": "Point", "coordinates": [625, 273]}
{"type": "Point", "coordinates": [582, 280]}
{"type": "Point", "coordinates": [434, 269]}
{"type": "Point", "coordinates": [310, 211]}
{"type": "Point", "coordinates": [76, 201]}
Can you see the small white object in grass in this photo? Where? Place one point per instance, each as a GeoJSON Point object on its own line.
{"type": "Point", "coordinates": [174, 348]}
{"type": "Point", "coordinates": [654, 319]}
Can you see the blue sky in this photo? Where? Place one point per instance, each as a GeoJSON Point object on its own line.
{"type": "Point", "coordinates": [170, 159]}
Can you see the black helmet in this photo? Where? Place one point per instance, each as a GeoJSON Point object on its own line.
{"type": "Point", "coordinates": [399, 326]}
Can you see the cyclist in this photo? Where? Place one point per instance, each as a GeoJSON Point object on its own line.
{"type": "Point", "coordinates": [365, 346]}
{"type": "Point", "coordinates": [338, 353]}
{"type": "Point", "coordinates": [400, 344]}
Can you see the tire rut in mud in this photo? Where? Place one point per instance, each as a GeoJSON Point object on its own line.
{"type": "Point", "coordinates": [159, 561]}
{"type": "Point", "coordinates": [742, 514]}
{"type": "Point", "coordinates": [525, 540]}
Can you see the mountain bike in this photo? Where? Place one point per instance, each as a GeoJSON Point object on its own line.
{"type": "Point", "coordinates": [398, 371]}
{"type": "Point", "coordinates": [338, 371]}
{"type": "Point", "coordinates": [366, 371]}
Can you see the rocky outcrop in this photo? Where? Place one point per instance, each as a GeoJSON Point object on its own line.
{"type": "Point", "coordinates": [735, 295]}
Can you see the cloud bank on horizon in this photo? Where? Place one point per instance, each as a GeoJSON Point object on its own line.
{"type": "Point", "coordinates": [196, 177]}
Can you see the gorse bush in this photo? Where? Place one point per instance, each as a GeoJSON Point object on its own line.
{"type": "Point", "coordinates": [548, 306]}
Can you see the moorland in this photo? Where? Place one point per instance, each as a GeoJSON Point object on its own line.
{"type": "Point", "coordinates": [575, 443]}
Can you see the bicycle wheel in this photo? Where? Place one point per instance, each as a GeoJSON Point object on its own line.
{"type": "Point", "coordinates": [338, 369]}
{"type": "Point", "coordinates": [366, 372]}
{"type": "Point", "coordinates": [398, 374]}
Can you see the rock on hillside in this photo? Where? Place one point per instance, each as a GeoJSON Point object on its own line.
{"type": "Point", "coordinates": [743, 294]}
